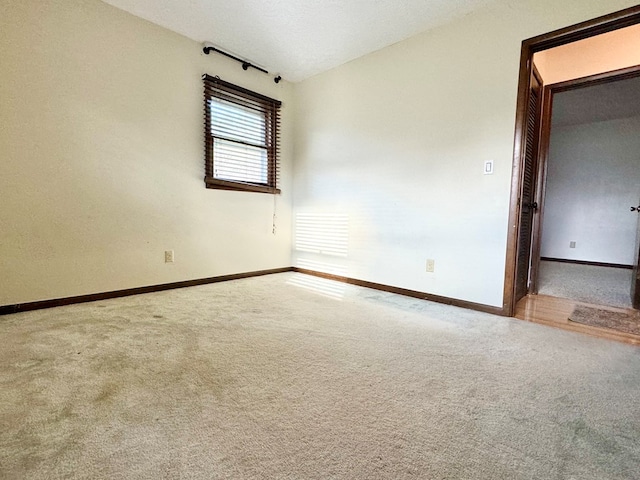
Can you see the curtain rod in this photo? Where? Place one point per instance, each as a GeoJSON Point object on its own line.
{"type": "Point", "coordinates": [208, 48]}
{"type": "Point", "coordinates": [245, 64]}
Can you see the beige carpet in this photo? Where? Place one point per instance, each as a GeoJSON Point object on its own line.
{"type": "Point", "coordinates": [279, 377]}
{"type": "Point", "coordinates": [621, 321]}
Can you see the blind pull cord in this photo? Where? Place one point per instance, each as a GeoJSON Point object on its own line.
{"type": "Point", "coordinates": [274, 215]}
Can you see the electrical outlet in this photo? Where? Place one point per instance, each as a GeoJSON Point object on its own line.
{"type": "Point", "coordinates": [168, 256]}
{"type": "Point", "coordinates": [572, 244]}
{"type": "Point", "coordinates": [431, 265]}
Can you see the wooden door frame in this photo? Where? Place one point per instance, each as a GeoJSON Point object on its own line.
{"type": "Point", "coordinates": [581, 31]}
{"type": "Point", "coordinates": [543, 152]}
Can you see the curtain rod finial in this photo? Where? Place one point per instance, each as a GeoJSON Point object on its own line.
{"type": "Point", "coordinates": [207, 47]}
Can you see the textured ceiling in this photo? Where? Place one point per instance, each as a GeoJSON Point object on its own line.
{"type": "Point", "coordinates": [299, 38]}
{"type": "Point", "coordinates": [598, 103]}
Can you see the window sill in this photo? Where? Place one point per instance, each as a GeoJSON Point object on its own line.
{"type": "Point", "coordinates": [215, 183]}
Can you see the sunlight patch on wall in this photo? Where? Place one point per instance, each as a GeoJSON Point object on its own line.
{"type": "Point", "coordinates": [322, 233]}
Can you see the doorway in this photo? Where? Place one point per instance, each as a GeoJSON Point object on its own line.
{"type": "Point", "coordinates": [523, 246]}
{"type": "Point", "coordinates": [590, 178]}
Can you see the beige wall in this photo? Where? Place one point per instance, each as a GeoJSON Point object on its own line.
{"type": "Point", "coordinates": [602, 53]}
{"type": "Point", "coordinates": [101, 142]}
{"type": "Point", "coordinates": [396, 142]}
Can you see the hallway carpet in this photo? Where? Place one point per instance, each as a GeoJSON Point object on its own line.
{"type": "Point", "coordinates": [293, 377]}
{"type": "Point", "coordinates": [586, 283]}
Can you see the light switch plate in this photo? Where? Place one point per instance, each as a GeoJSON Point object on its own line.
{"type": "Point", "coordinates": [488, 167]}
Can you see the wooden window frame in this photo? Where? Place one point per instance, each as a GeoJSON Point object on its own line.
{"type": "Point", "coordinates": [214, 87]}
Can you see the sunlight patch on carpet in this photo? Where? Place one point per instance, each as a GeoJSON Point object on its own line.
{"type": "Point", "coordinates": [321, 286]}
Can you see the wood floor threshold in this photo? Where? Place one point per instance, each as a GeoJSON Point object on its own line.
{"type": "Point", "coordinates": [93, 297]}
{"type": "Point", "coordinates": [555, 312]}
{"type": "Point", "coordinates": [406, 292]}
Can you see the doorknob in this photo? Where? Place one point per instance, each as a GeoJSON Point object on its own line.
{"type": "Point", "coordinates": [635, 209]}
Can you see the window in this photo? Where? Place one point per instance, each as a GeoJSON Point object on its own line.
{"type": "Point", "coordinates": [241, 137]}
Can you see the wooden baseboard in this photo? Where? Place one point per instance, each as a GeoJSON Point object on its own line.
{"type": "Point", "coordinates": [58, 302]}
{"type": "Point", "coordinates": [585, 262]}
{"type": "Point", "coordinates": [409, 293]}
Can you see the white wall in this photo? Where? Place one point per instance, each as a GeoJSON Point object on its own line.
{"type": "Point", "coordinates": [593, 178]}
{"type": "Point", "coordinates": [602, 53]}
{"type": "Point", "coordinates": [395, 142]}
{"type": "Point", "coordinates": [101, 141]}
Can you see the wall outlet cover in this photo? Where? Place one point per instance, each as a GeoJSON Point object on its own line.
{"type": "Point", "coordinates": [431, 264]}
